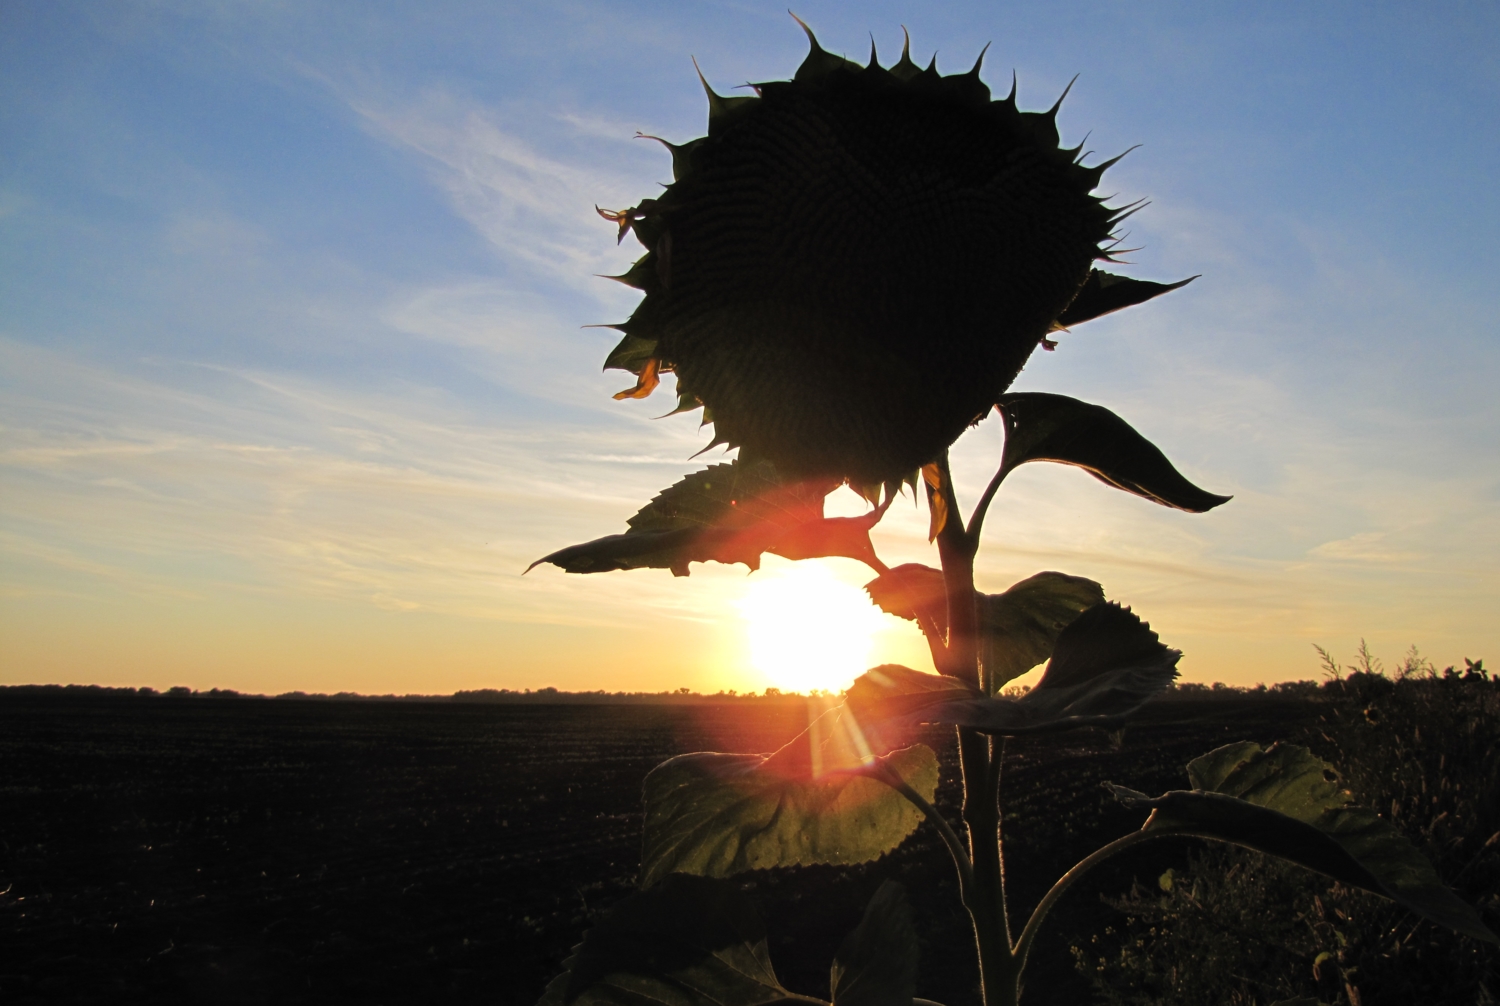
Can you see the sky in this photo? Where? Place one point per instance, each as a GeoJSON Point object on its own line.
{"type": "Point", "coordinates": [294, 381]}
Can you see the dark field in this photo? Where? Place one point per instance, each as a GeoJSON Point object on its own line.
{"type": "Point", "coordinates": [233, 850]}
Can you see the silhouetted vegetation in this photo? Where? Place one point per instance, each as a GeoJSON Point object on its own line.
{"type": "Point", "coordinates": [518, 696]}
{"type": "Point", "coordinates": [1226, 925]}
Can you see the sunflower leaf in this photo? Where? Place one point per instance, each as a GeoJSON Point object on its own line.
{"type": "Point", "coordinates": [1043, 427]}
{"type": "Point", "coordinates": [1105, 665]}
{"type": "Point", "coordinates": [726, 513]}
{"type": "Point", "coordinates": [717, 815]}
{"type": "Point", "coordinates": [1285, 802]}
{"type": "Point", "coordinates": [690, 941]}
{"type": "Point", "coordinates": [1021, 626]}
{"type": "Point", "coordinates": [877, 963]}
{"type": "Point", "coordinates": [1018, 627]}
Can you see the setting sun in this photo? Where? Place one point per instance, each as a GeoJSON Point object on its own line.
{"type": "Point", "coordinates": [806, 629]}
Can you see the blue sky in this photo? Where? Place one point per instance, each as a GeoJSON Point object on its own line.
{"type": "Point", "coordinates": [293, 381]}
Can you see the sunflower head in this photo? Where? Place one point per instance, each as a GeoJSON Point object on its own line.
{"type": "Point", "coordinates": [852, 265]}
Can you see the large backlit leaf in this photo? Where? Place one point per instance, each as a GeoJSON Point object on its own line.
{"type": "Point", "coordinates": [877, 963]}
{"type": "Point", "coordinates": [690, 941]}
{"type": "Point", "coordinates": [1106, 664]}
{"type": "Point", "coordinates": [1285, 802]}
{"type": "Point", "coordinates": [1018, 627]}
{"type": "Point", "coordinates": [1042, 427]}
{"type": "Point", "coordinates": [726, 513]}
{"type": "Point", "coordinates": [1104, 293]}
{"type": "Point", "coordinates": [720, 814]}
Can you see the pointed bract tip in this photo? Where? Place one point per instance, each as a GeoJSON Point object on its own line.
{"type": "Point", "coordinates": [1010, 99]}
{"type": "Point", "coordinates": [674, 147]}
{"type": "Point", "coordinates": [715, 442]}
{"type": "Point", "coordinates": [1052, 112]}
{"type": "Point", "coordinates": [874, 56]}
{"type": "Point", "coordinates": [712, 97]}
{"type": "Point", "coordinates": [811, 38]}
{"type": "Point", "coordinates": [819, 62]}
{"type": "Point", "coordinates": [1101, 168]}
{"type": "Point", "coordinates": [980, 61]}
{"type": "Point", "coordinates": [1128, 210]}
{"type": "Point", "coordinates": [1076, 154]}
{"type": "Point", "coordinates": [718, 105]}
{"type": "Point", "coordinates": [904, 69]}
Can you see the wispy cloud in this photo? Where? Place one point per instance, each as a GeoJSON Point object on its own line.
{"type": "Point", "coordinates": [319, 490]}
{"type": "Point", "coordinates": [532, 207]}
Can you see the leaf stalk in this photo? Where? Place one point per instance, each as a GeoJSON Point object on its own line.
{"type": "Point", "coordinates": [961, 861]}
{"type": "Point", "coordinates": [1033, 924]}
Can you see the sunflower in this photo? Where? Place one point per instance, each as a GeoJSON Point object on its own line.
{"type": "Point", "coordinates": [852, 265]}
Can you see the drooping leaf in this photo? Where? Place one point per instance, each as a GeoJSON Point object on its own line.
{"type": "Point", "coordinates": [1285, 802]}
{"type": "Point", "coordinates": [1106, 664]}
{"type": "Point", "coordinates": [1043, 427]}
{"type": "Point", "coordinates": [690, 941]}
{"type": "Point", "coordinates": [877, 963]}
{"type": "Point", "coordinates": [726, 513]}
{"type": "Point", "coordinates": [1020, 627]}
{"type": "Point", "coordinates": [1104, 293]}
{"type": "Point", "coordinates": [645, 382]}
{"type": "Point", "coordinates": [810, 802]}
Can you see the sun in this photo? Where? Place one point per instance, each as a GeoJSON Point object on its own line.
{"type": "Point", "coordinates": [807, 629]}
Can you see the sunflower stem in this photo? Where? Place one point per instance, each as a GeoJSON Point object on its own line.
{"type": "Point", "coordinates": [985, 895]}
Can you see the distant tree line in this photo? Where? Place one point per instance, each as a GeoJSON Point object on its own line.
{"type": "Point", "coordinates": [540, 696]}
{"type": "Point", "coordinates": [1365, 667]}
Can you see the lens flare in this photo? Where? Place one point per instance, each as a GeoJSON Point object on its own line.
{"type": "Point", "coordinates": [806, 629]}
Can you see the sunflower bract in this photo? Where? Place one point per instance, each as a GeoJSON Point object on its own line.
{"type": "Point", "coordinates": [852, 266]}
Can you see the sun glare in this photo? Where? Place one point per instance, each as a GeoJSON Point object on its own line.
{"type": "Point", "coordinates": [807, 629]}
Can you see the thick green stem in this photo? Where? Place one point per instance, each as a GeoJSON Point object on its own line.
{"type": "Point", "coordinates": [985, 896]}
{"type": "Point", "coordinates": [956, 551]}
{"type": "Point", "coordinates": [998, 969]}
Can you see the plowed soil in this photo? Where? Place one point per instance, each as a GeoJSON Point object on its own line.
{"type": "Point", "coordinates": [205, 850]}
